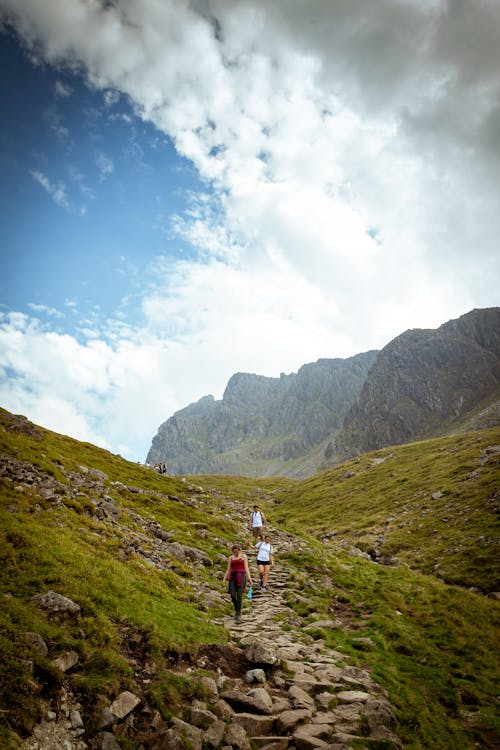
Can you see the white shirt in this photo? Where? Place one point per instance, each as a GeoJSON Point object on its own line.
{"type": "Point", "coordinates": [265, 551]}
{"type": "Point", "coordinates": [257, 521]}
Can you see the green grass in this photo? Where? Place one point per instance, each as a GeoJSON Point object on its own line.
{"type": "Point", "coordinates": [432, 504]}
{"type": "Point", "coordinates": [66, 549]}
{"type": "Point", "coordinates": [433, 645]}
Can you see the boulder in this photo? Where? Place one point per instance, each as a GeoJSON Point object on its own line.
{"type": "Point", "coordinates": [124, 704]}
{"type": "Point", "coordinates": [289, 719]}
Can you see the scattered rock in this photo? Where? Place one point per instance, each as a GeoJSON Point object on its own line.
{"type": "Point", "coordinates": [56, 606]}
{"type": "Point", "coordinates": [124, 704]}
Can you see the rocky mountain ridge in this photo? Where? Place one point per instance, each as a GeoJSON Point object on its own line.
{"type": "Point", "coordinates": [261, 424]}
{"type": "Point", "coordinates": [423, 383]}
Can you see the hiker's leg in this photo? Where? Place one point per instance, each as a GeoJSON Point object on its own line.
{"type": "Point", "coordinates": [239, 594]}
{"type": "Point", "coordinates": [267, 570]}
{"type": "Point", "coordinates": [261, 568]}
{"type": "Point", "coordinates": [233, 591]}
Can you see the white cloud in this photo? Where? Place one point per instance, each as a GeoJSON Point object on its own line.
{"type": "Point", "coordinates": [351, 156]}
{"type": "Point", "coordinates": [57, 191]}
{"type": "Point", "coordinates": [105, 166]}
{"type": "Point", "coordinates": [45, 309]}
{"type": "Point", "coordinates": [62, 90]}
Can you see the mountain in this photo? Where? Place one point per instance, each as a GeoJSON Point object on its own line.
{"type": "Point", "coordinates": [423, 383]}
{"type": "Point", "coordinates": [116, 633]}
{"type": "Point", "coordinates": [263, 426]}
{"type": "Point", "coordinates": [427, 382]}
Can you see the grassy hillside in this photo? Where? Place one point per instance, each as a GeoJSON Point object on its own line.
{"type": "Point", "coordinates": [103, 564]}
{"type": "Point", "coordinates": [94, 538]}
{"type": "Point", "coordinates": [432, 504]}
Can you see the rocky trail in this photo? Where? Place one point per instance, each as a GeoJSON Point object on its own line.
{"type": "Point", "coordinates": [307, 696]}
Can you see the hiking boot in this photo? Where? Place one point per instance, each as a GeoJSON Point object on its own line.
{"type": "Point", "coordinates": [237, 617]}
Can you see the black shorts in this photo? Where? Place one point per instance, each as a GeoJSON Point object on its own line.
{"type": "Point", "coordinates": [262, 562]}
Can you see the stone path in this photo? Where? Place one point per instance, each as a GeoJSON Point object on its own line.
{"type": "Point", "coordinates": [308, 696]}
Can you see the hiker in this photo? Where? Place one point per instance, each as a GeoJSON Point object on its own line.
{"type": "Point", "coordinates": [265, 560]}
{"type": "Point", "coordinates": [256, 522]}
{"type": "Point", "coordinates": [237, 573]}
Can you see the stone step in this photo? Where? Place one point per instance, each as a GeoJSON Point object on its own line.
{"type": "Point", "coordinates": [276, 742]}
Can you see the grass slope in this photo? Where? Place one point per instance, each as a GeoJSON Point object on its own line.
{"type": "Point", "coordinates": [431, 645]}
{"type": "Point", "coordinates": [62, 546]}
{"type": "Point", "coordinates": [432, 504]}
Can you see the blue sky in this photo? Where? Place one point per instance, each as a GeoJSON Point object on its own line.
{"type": "Point", "coordinates": [87, 191]}
{"type": "Point", "coordinates": [192, 189]}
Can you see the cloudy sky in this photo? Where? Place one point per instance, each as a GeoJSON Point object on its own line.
{"type": "Point", "coordinates": [192, 188]}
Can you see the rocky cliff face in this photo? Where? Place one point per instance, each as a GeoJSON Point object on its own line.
{"type": "Point", "coordinates": [262, 426]}
{"type": "Point", "coordinates": [425, 382]}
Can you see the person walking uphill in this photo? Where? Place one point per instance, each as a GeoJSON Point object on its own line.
{"type": "Point", "coordinates": [237, 573]}
{"type": "Point", "coordinates": [256, 522]}
{"type": "Point", "coordinates": [264, 560]}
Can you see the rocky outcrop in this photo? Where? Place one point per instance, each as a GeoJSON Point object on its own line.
{"type": "Point", "coordinates": [426, 382]}
{"type": "Point", "coordinates": [263, 426]}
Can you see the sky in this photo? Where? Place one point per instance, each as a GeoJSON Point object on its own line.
{"type": "Point", "coordinates": [195, 188]}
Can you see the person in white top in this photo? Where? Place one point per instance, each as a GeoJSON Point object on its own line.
{"type": "Point", "coordinates": [265, 560]}
{"type": "Point", "coordinates": [256, 522]}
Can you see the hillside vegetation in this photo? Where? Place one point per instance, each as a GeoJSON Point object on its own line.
{"type": "Point", "coordinates": [104, 532]}
{"type": "Point", "coordinates": [432, 504]}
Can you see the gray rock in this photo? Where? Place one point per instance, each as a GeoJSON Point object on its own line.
{"type": "Point", "coordinates": [106, 719]}
{"type": "Point", "coordinates": [66, 661]}
{"type": "Point", "coordinates": [36, 643]}
{"type": "Point", "coordinates": [209, 687]}
{"type": "Point", "coordinates": [289, 719]}
{"type": "Point", "coordinates": [236, 737]}
{"type": "Point", "coordinates": [308, 736]}
{"type": "Point", "coordinates": [223, 710]}
{"type": "Point", "coordinates": [170, 740]}
{"type": "Point", "coordinates": [352, 696]}
{"type": "Point", "coordinates": [56, 606]}
{"type": "Point", "coordinates": [255, 675]}
{"type": "Point", "coordinates": [260, 652]}
{"type": "Point", "coordinates": [214, 734]}
{"type": "Point", "coordinates": [98, 475]}
{"type": "Point", "coordinates": [107, 741]}
{"type": "Point", "coordinates": [190, 735]}
{"type": "Point", "coordinates": [271, 742]}
{"type": "Point", "coordinates": [254, 724]}
{"type": "Point", "coordinates": [124, 704]}
{"type": "Point", "coordinates": [261, 702]}
{"type": "Point", "coordinates": [76, 719]}
{"type": "Point", "coordinates": [201, 717]}
{"type": "Point", "coordinates": [197, 556]}
{"type": "Point", "coordinates": [299, 697]}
